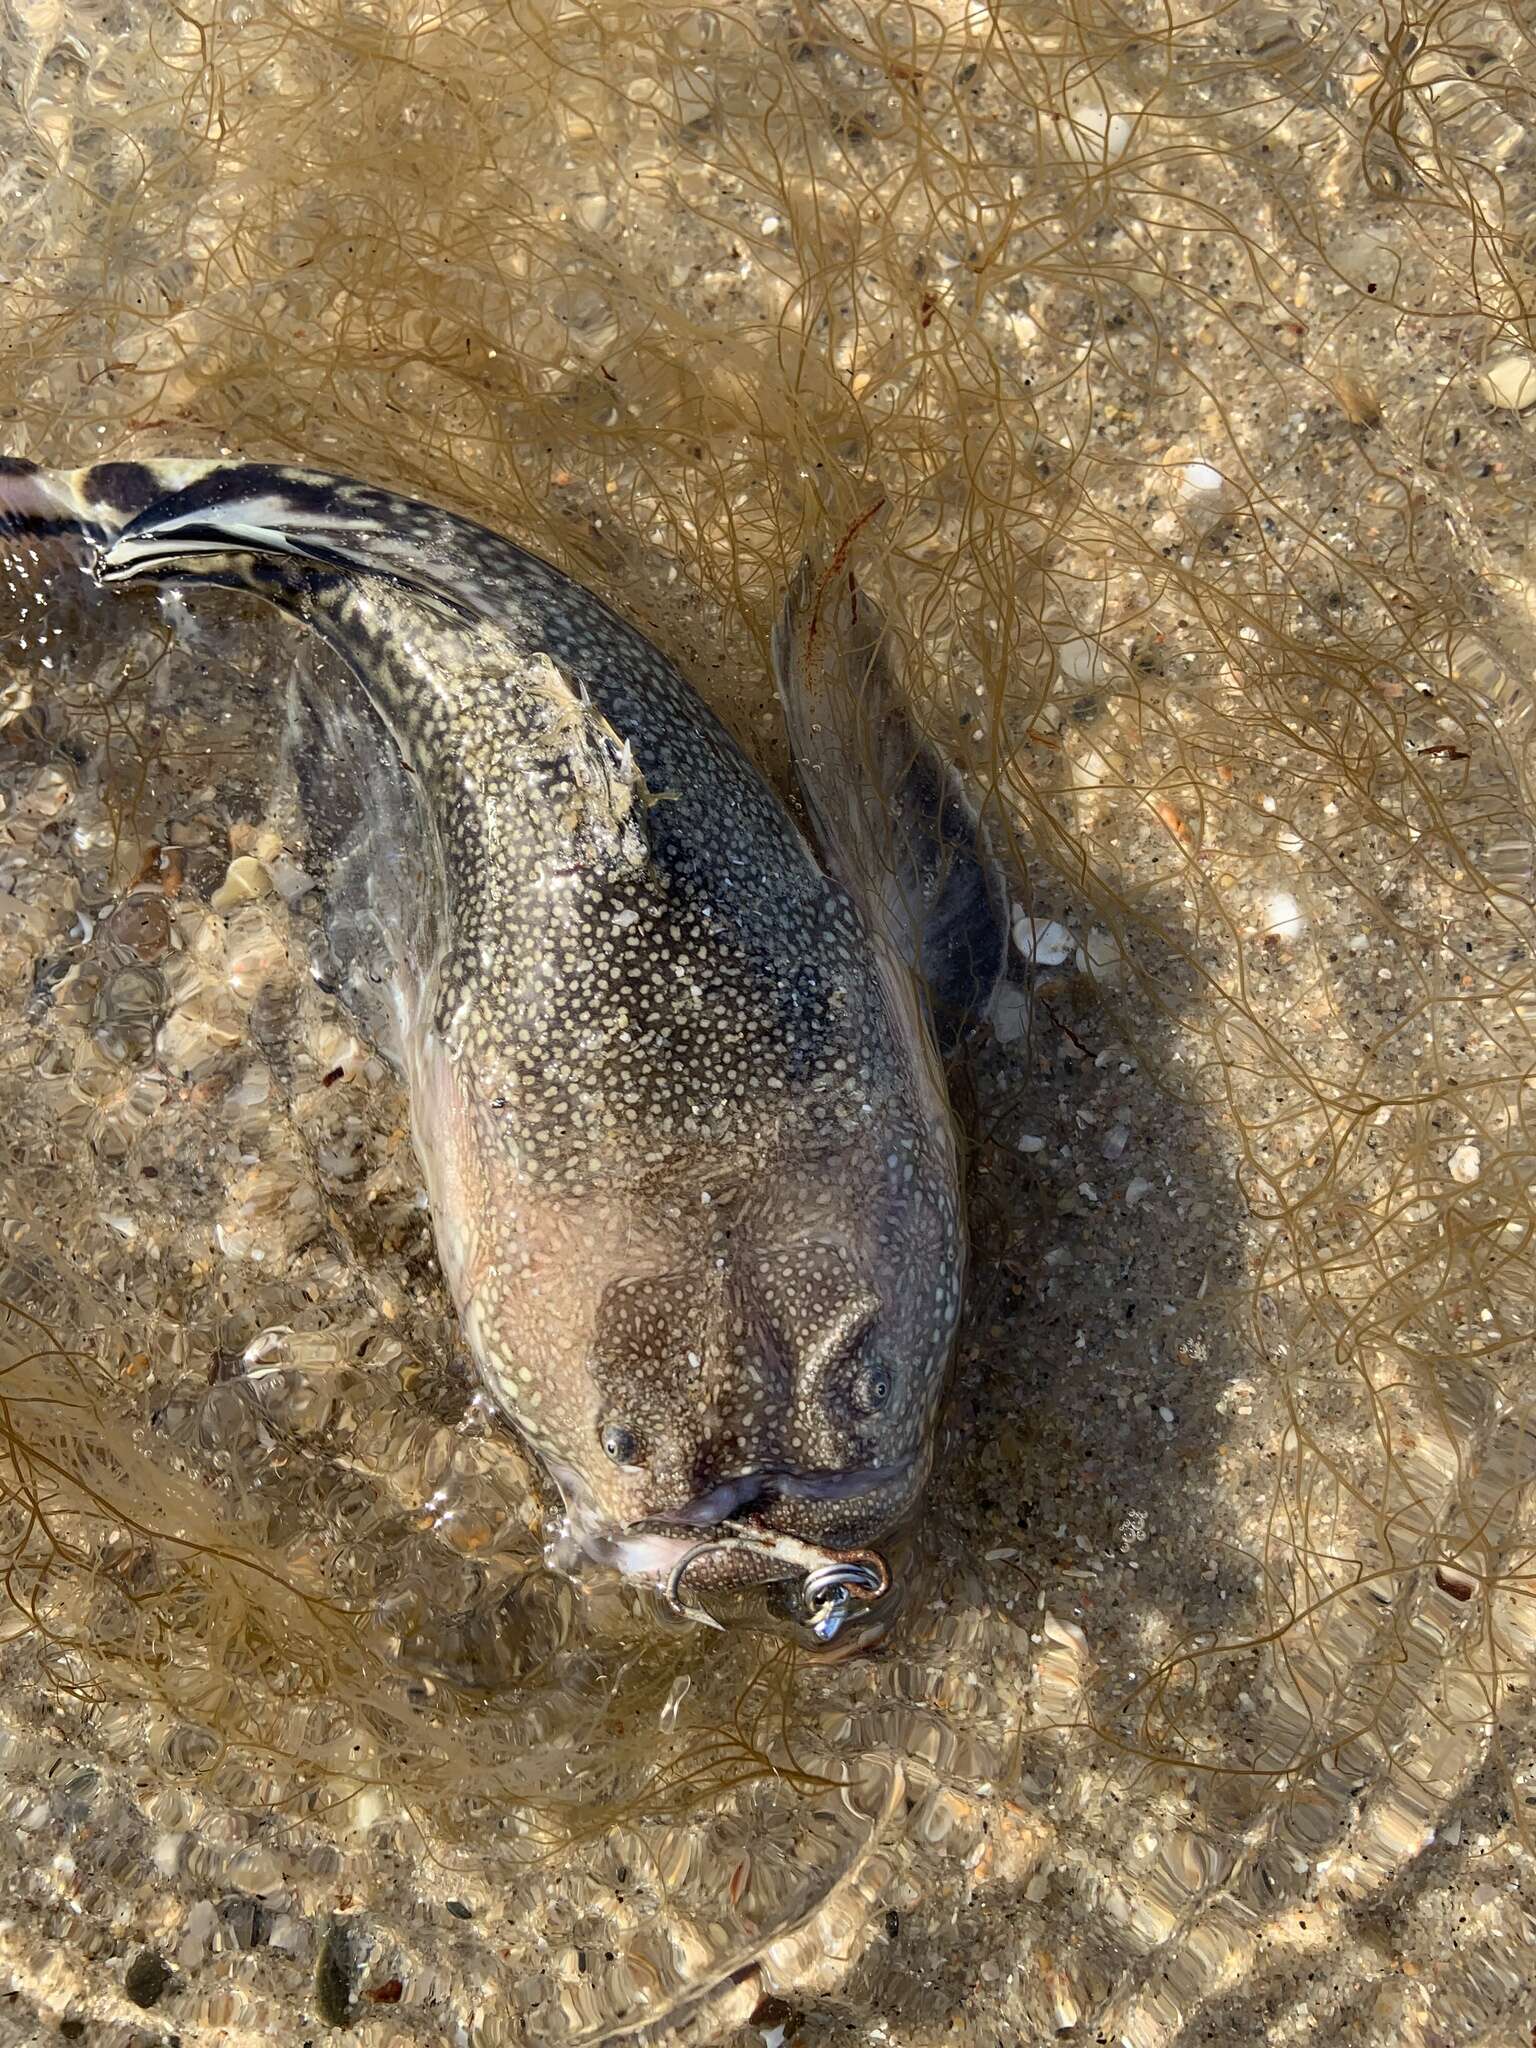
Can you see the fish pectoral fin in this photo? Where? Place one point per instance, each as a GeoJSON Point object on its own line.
{"type": "Point", "coordinates": [896, 822]}
{"type": "Point", "coordinates": [428, 611]}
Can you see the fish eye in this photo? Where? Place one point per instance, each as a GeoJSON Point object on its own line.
{"type": "Point", "coordinates": [872, 1387]}
{"type": "Point", "coordinates": [621, 1444]}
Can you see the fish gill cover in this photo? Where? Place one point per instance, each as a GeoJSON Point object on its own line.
{"type": "Point", "coordinates": [1174, 364]}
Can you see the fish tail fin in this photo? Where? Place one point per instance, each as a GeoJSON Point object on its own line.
{"type": "Point", "coordinates": [305, 522]}
{"type": "Point", "coordinates": [92, 505]}
{"type": "Point", "coordinates": [217, 521]}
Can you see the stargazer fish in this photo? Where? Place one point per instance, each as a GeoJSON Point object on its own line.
{"type": "Point", "coordinates": [675, 1079]}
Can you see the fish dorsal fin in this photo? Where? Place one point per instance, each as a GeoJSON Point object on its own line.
{"type": "Point", "coordinates": [895, 821]}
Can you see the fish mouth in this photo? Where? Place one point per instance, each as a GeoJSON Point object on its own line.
{"type": "Point", "coordinates": [715, 1542]}
{"type": "Point", "coordinates": [731, 1543]}
{"type": "Point", "coordinates": [768, 1485]}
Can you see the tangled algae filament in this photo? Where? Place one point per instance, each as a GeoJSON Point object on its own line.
{"type": "Point", "coordinates": [1171, 362]}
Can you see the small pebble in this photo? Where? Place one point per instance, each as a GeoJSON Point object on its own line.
{"type": "Point", "coordinates": [140, 924]}
{"type": "Point", "coordinates": [194, 1941]}
{"type": "Point", "coordinates": [146, 1978]}
{"type": "Point", "coordinates": [1100, 956]}
{"type": "Point", "coordinates": [1041, 941]}
{"type": "Point", "coordinates": [204, 872]}
{"type": "Point", "coordinates": [1010, 1013]}
{"type": "Point", "coordinates": [255, 1871]}
{"type": "Point", "coordinates": [244, 880]}
{"type": "Point", "coordinates": [1285, 918]}
{"type": "Point", "coordinates": [336, 1969]}
{"type": "Point", "coordinates": [127, 1013]}
{"type": "Point", "coordinates": [1030, 1144]}
{"type": "Point", "coordinates": [1115, 1141]}
{"type": "Point", "coordinates": [291, 882]}
{"type": "Point", "coordinates": [1509, 382]}
{"type": "Point", "coordinates": [1091, 133]}
{"type": "Point", "coordinates": [594, 210]}
{"type": "Point", "coordinates": [186, 832]}
{"type": "Point", "coordinates": [1080, 662]}
{"type": "Point", "coordinates": [1466, 1164]}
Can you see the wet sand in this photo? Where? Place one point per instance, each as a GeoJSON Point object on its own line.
{"type": "Point", "coordinates": [1189, 365]}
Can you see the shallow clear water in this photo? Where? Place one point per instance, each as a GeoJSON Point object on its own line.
{"type": "Point", "coordinates": [1185, 356]}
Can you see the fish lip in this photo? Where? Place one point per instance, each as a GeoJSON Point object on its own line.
{"type": "Point", "coordinates": [826, 1573]}
{"type": "Point", "coordinates": [765, 1485]}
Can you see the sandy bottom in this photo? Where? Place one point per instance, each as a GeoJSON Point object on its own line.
{"type": "Point", "coordinates": [1206, 1719]}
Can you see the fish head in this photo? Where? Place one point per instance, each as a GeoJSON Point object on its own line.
{"type": "Point", "coordinates": [762, 1367]}
{"type": "Point", "coordinates": [730, 1369]}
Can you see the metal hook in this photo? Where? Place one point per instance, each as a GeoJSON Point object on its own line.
{"type": "Point", "coordinates": [833, 1579]}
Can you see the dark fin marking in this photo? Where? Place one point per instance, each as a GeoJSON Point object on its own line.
{"type": "Point", "coordinates": [125, 488]}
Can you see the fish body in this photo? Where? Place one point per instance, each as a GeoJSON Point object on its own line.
{"type": "Point", "coordinates": [673, 1078]}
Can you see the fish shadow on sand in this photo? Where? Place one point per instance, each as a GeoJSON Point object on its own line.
{"type": "Point", "coordinates": [1148, 1859]}
{"type": "Point", "coordinates": [1078, 1487]}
